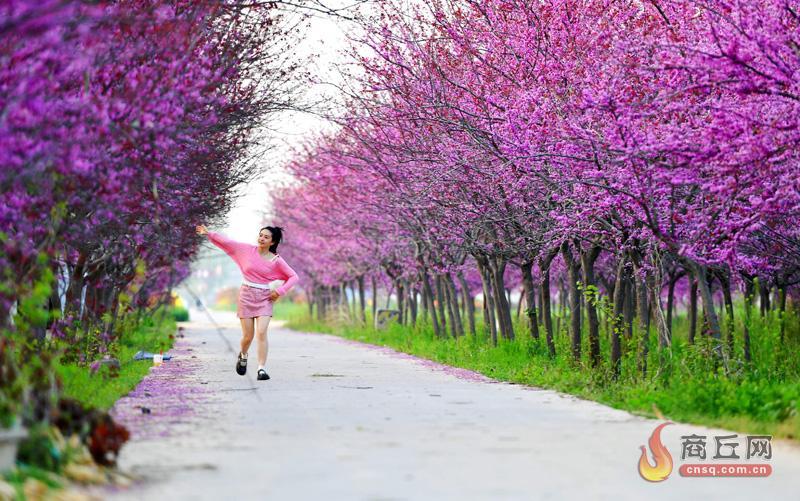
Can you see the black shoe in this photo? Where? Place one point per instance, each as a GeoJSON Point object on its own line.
{"type": "Point", "coordinates": [262, 375]}
{"type": "Point", "coordinates": [241, 365]}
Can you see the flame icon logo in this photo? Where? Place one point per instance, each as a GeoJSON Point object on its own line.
{"type": "Point", "coordinates": [661, 455]}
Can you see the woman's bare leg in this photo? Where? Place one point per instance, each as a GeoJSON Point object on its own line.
{"type": "Point", "coordinates": [261, 337]}
{"type": "Point", "coordinates": [247, 334]}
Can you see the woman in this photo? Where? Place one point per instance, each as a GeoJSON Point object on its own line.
{"type": "Point", "coordinates": [260, 265]}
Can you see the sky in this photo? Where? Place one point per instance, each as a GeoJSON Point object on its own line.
{"type": "Point", "coordinates": [326, 38]}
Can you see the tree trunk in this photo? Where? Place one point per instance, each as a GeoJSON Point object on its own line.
{"type": "Point", "coordinates": [544, 289]}
{"type": "Point", "coordinates": [413, 305]}
{"type": "Point", "coordinates": [529, 293]}
{"type": "Point", "coordinates": [498, 267]}
{"type": "Point", "coordinates": [782, 308]}
{"type": "Point", "coordinates": [776, 297]}
{"type": "Point", "coordinates": [574, 300]}
{"type": "Point", "coordinates": [588, 258]}
{"type": "Point", "coordinates": [725, 281]}
{"type": "Point", "coordinates": [643, 314]}
{"type": "Point", "coordinates": [455, 311]}
{"type": "Point", "coordinates": [321, 303]}
{"type": "Point", "coordinates": [673, 280]}
{"type": "Point", "coordinates": [401, 301]}
{"type": "Point", "coordinates": [362, 300]}
{"type": "Point", "coordinates": [425, 313]}
{"type": "Point", "coordinates": [488, 301]}
{"type": "Point", "coordinates": [617, 323]}
{"type": "Point", "coordinates": [708, 306]}
{"type": "Point", "coordinates": [428, 296]}
{"type": "Point", "coordinates": [692, 308]}
{"type": "Point", "coordinates": [374, 284]}
{"type": "Point", "coordinates": [440, 304]}
{"type": "Point", "coordinates": [749, 292]}
{"type": "Point", "coordinates": [563, 301]}
{"type": "Point", "coordinates": [408, 301]}
{"type": "Point", "coordinates": [539, 298]}
{"type": "Point", "coordinates": [629, 308]}
{"type": "Point", "coordinates": [664, 333]}
{"type": "Point", "coordinates": [763, 291]}
{"type": "Point", "coordinates": [331, 299]}
{"type": "Point", "coordinates": [53, 304]}
{"type": "Point", "coordinates": [468, 301]}
{"type": "Point", "coordinates": [448, 300]}
{"type": "Point", "coordinates": [74, 291]}
{"type": "Point", "coordinates": [457, 298]}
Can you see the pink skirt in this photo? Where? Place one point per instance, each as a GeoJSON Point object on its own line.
{"type": "Point", "coordinates": [253, 302]}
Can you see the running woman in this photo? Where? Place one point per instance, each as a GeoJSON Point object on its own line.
{"type": "Point", "coordinates": [260, 265]}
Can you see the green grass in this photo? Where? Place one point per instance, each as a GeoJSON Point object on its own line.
{"type": "Point", "coordinates": [99, 390]}
{"type": "Point", "coordinates": [286, 310]}
{"type": "Point", "coordinates": [19, 474]}
{"type": "Point", "coordinates": [224, 307]}
{"type": "Point", "coordinates": [685, 383]}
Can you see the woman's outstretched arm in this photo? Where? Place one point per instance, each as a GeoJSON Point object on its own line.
{"type": "Point", "coordinates": [231, 247]}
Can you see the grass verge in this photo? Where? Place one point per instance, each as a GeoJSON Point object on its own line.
{"type": "Point", "coordinates": [684, 383]}
{"type": "Point", "coordinates": [99, 389]}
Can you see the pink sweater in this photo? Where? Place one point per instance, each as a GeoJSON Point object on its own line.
{"type": "Point", "coordinates": [256, 268]}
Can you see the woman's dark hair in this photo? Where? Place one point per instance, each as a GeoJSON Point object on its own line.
{"type": "Point", "coordinates": [277, 236]}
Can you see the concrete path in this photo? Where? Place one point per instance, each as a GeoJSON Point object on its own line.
{"type": "Point", "coordinates": [342, 420]}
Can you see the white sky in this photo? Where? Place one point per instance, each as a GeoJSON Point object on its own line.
{"type": "Point", "coordinates": [325, 37]}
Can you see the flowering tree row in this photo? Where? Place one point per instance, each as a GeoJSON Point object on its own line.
{"type": "Point", "coordinates": [637, 151]}
{"type": "Point", "coordinates": [122, 124]}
